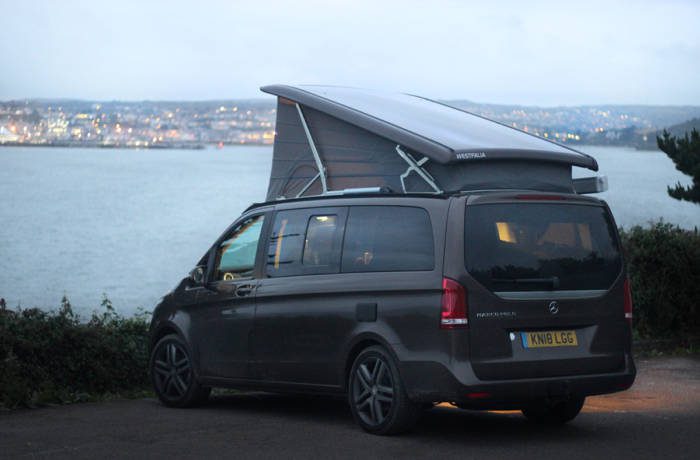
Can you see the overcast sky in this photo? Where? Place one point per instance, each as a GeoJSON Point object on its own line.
{"type": "Point", "coordinates": [526, 52]}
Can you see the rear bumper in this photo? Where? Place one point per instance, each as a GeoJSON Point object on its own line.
{"type": "Point", "coordinates": [433, 381]}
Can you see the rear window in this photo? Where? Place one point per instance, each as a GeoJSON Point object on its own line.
{"type": "Point", "coordinates": [539, 247]}
{"type": "Point", "coordinates": [387, 238]}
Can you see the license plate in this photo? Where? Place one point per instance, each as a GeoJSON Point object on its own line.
{"type": "Point", "coordinates": [542, 339]}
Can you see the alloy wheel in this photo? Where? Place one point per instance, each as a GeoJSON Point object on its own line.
{"type": "Point", "coordinates": [373, 390]}
{"type": "Point", "coordinates": [172, 371]}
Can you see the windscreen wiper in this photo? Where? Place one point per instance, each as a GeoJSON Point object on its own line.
{"type": "Point", "coordinates": [552, 281]}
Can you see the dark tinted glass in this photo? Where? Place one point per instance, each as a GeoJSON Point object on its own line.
{"type": "Point", "coordinates": [321, 248]}
{"type": "Point", "coordinates": [387, 238]}
{"type": "Point", "coordinates": [537, 247]}
{"type": "Point", "coordinates": [304, 243]}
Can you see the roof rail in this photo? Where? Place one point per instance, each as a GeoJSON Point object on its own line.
{"type": "Point", "coordinates": [349, 192]}
{"type": "Point", "coordinates": [358, 191]}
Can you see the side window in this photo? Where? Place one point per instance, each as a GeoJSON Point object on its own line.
{"type": "Point", "coordinates": [321, 246]}
{"type": "Point", "coordinates": [305, 242]}
{"type": "Point", "coordinates": [235, 257]}
{"type": "Point", "coordinates": [388, 238]}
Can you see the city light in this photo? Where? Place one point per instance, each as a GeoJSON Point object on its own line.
{"type": "Point", "coordinates": [165, 124]}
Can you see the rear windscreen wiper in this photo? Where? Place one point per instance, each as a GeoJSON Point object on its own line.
{"type": "Point", "coordinates": [552, 281]}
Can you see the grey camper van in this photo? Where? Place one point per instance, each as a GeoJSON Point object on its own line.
{"type": "Point", "coordinates": [407, 253]}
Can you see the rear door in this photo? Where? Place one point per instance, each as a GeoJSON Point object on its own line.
{"type": "Point", "coordinates": [545, 286]}
{"type": "Point", "coordinates": [337, 275]}
{"type": "Point", "coordinates": [300, 322]}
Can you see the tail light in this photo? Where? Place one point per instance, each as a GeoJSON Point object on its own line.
{"type": "Point", "coordinates": [628, 301]}
{"type": "Point", "coordinates": [454, 305]}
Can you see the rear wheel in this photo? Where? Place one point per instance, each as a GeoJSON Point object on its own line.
{"type": "Point", "coordinates": [377, 398]}
{"type": "Point", "coordinates": [554, 413]}
{"type": "Point", "coordinates": [172, 374]}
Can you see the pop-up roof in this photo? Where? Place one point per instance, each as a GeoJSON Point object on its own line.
{"type": "Point", "coordinates": [333, 138]}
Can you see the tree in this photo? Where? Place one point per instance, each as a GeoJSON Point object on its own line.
{"type": "Point", "coordinates": [685, 153]}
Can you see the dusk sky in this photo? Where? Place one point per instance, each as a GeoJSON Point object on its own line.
{"type": "Point", "coordinates": [535, 53]}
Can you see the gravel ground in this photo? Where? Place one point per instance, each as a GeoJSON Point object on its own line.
{"type": "Point", "coordinates": [658, 417]}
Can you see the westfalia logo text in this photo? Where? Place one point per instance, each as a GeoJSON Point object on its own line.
{"type": "Point", "coordinates": [470, 155]}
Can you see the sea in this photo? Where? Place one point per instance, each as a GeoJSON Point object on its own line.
{"type": "Point", "coordinates": [129, 224]}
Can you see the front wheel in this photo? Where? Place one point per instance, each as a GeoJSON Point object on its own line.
{"type": "Point", "coordinates": [172, 375]}
{"type": "Point", "coordinates": [377, 398]}
{"type": "Point", "coordinates": [554, 413]}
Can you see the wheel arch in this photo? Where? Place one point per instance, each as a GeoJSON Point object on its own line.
{"type": "Point", "coordinates": [163, 329]}
{"type": "Point", "coordinates": [355, 347]}
{"type": "Point", "coordinates": [168, 327]}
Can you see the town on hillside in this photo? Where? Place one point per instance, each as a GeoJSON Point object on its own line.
{"type": "Point", "coordinates": [187, 124]}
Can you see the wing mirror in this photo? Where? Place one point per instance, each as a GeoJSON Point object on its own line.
{"type": "Point", "coordinates": [197, 275]}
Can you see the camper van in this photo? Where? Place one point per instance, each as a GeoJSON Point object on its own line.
{"type": "Point", "coordinates": [407, 254]}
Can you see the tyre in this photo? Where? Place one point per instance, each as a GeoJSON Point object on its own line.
{"type": "Point", "coordinates": [378, 400]}
{"type": "Point", "coordinates": [172, 374]}
{"type": "Point", "coordinates": [556, 413]}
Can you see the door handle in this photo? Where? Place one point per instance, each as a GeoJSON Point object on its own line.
{"type": "Point", "coordinates": [244, 290]}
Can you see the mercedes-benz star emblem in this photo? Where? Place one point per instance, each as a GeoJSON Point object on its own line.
{"type": "Point", "coordinates": [553, 307]}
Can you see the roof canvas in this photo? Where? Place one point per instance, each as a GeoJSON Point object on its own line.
{"type": "Point", "coordinates": [332, 138]}
{"type": "Point", "coordinates": [443, 133]}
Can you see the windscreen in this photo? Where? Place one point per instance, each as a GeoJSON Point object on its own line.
{"type": "Point", "coordinates": [541, 246]}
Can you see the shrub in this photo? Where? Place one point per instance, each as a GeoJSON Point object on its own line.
{"type": "Point", "coordinates": [56, 357]}
{"type": "Point", "coordinates": [664, 268]}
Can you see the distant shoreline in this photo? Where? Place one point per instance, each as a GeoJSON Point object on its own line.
{"type": "Point", "coordinates": [159, 146]}
{"type": "Point", "coordinates": [204, 146]}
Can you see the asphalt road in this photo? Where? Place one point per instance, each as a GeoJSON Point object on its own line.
{"type": "Point", "coordinates": [658, 418]}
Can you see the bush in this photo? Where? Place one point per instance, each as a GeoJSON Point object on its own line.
{"type": "Point", "coordinates": [664, 268]}
{"type": "Point", "coordinates": [55, 357]}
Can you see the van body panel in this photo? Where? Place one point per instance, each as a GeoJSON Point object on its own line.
{"type": "Point", "coordinates": [303, 325]}
{"type": "Point", "coordinates": [223, 322]}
